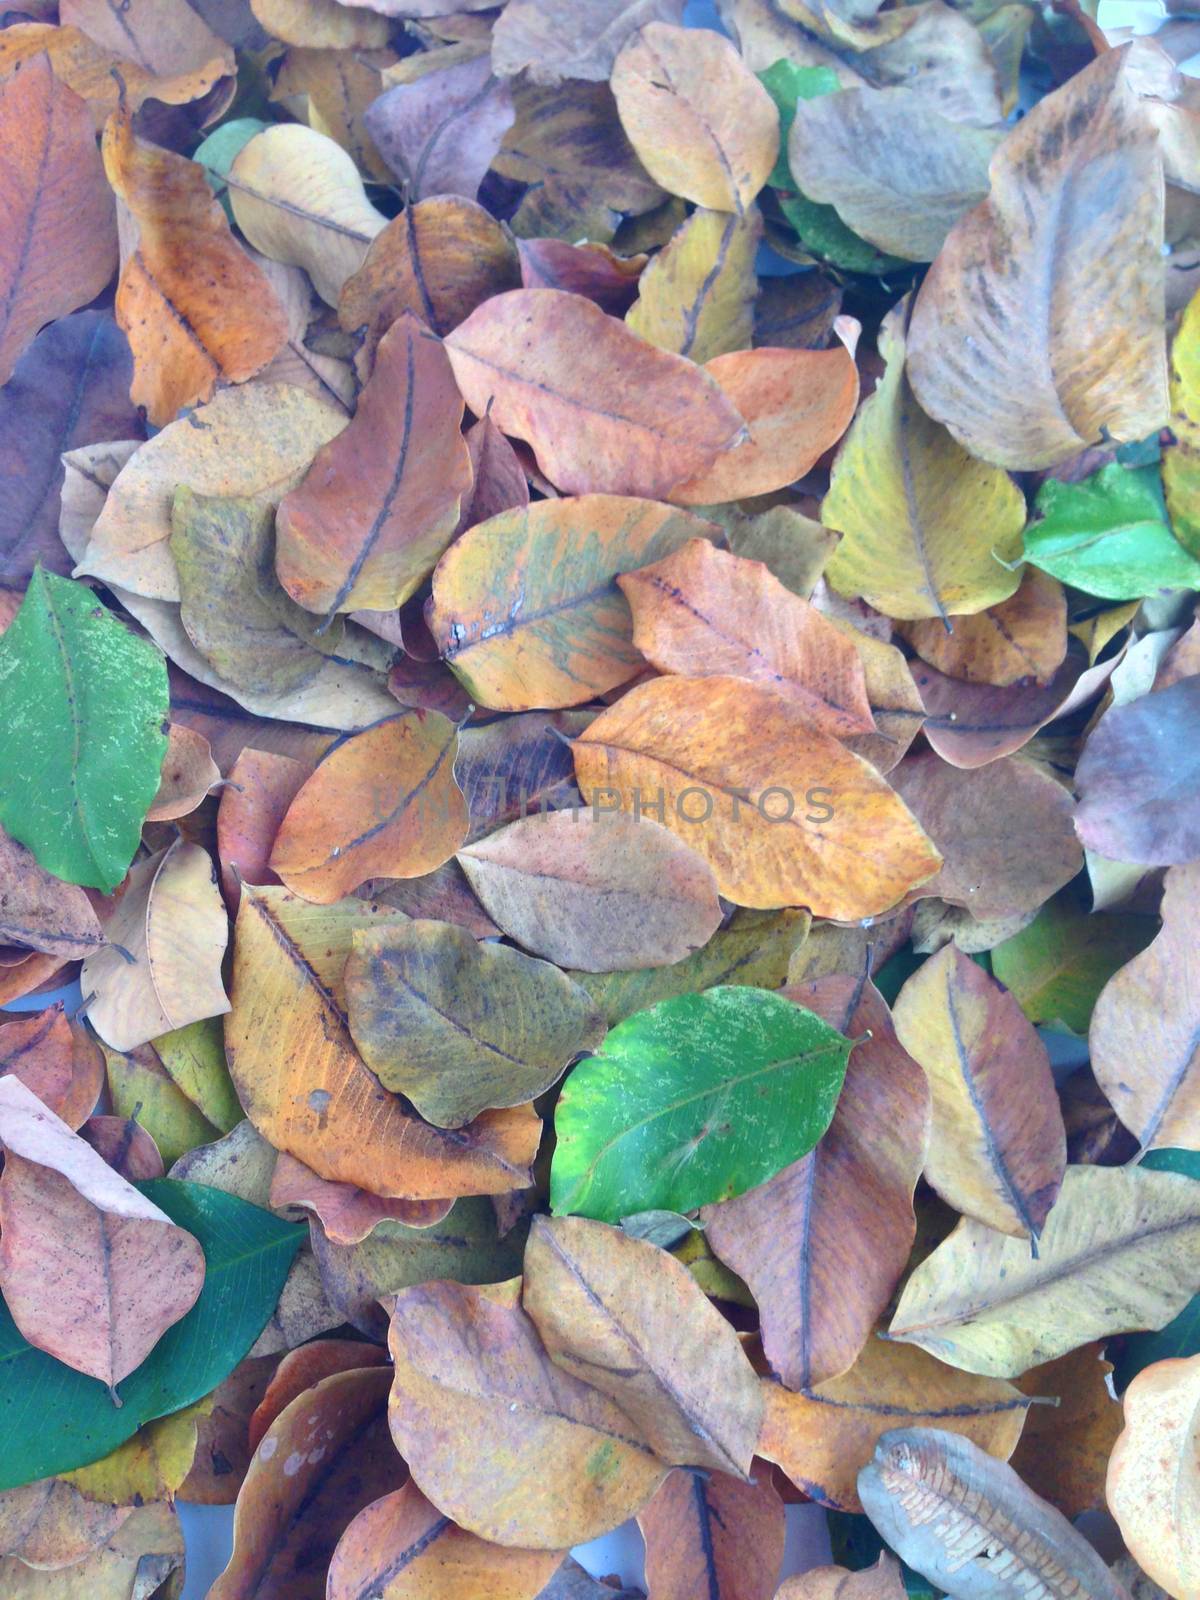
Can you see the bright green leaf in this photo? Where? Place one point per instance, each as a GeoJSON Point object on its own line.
{"type": "Point", "coordinates": [694, 1101]}
{"type": "Point", "coordinates": [786, 83]}
{"type": "Point", "coordinates": [83, 711]}
{"type": "Point", "coordinates": [1108, 536]}
{"type": "Point", "coordinates": [53, 1418]}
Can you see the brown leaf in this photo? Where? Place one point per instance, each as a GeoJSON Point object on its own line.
{"type": "Point", "coordinates": [171, 920]}
{"type": "Point", "coordinates": [253, 803]}
{"type": "Point", "coordinates": [380, 502]}
{"type": "Point", "coordinates": [347, 1213]}
{"type": "Point", "coordinates": [998, 1147]}
{"type": "Point", "coordinates": [56, 1059]}
{"type": "Point", "coordinates": [98, 75]}
{"type": "Point", "coordinates": [824, 1243]}
{"type": "Point", "coordinates": [592, 270]}
{"type": "Point", "coordinates": [1063, 1451]}
{"type": "Point", "coordinates": [554, 39]}
{"type": "Point", "coordinates": [710, 1533]}
{"type": "Point", "coordinates": [1022, 637]}
{"type": "Point", "coordinates": [599, 892]}
{"type": "Point", "coordinates": [144, 1556]}
{"type": "Point", "coordinates": [1028, 389]}
{"type": "Point", "coordinates": [93, 1273]}
{"type": "Point", "coordinates": [194, 306]}
{"type": "Point", "coordinates": [1143, 1034]}
{"type": "Point", "coordinates": [603, 411]}
{"type": "Point", "coordinates": [703, 125]}
{"type": "Point", "coordinates": [880, 1582]}
{"type": "Point", "coordinates": [796, 404]}
{"type": "Point", "coordinates": [439, 132]}
{"type": "Point", "coordinates": [498, 479]}
{"type": "Point", "coordinates": [439, 259]}
{"type": "Point", "coordinates": [188, 774]}
{"type": "Point", "coordinates": [127, 1148]}
{"type": "Point", "coordinates": [526, 607]}
{"type": "Point", "coordinates": [382, 804]}
{"type": "Point", "coordinates": [70, 388]}
{"type": "Point", "coordinates": [701, 611]}
{"type": "Point", "coordinates": [40, 911]}
{"type": "Point", "coordinates": [1153, 1471]}
{"type": "Point", "coordinates": [747, 781]}
{"type": "Point", "coordinates": [223, 1448]}
{"type": "Point", "coordinates": [59, 247]}
{"type": "Point", "coordinates": [563, 1463]}
{"type": "Point", "coordinates": [325, 1458]}
{"type": "Point", "coordinates": [626, 1317]}
{"type": "Point", "coordinates": [49, 1525]}
{"type": "Point", "coordinates": [1005, 831]}
{"type": "Point", "coordinates": [403, 1548]}
{"type": "Point", "coordinates": [301, 1370]}
{"type": "Point", "coordinates": [824, 1434]}
{"type": "Point", "coordinates": [304, 1085]}
{"type": "Point", "coordinates": [164, 36]}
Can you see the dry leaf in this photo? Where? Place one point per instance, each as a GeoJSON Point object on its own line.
{"type": "Point", "coordinates": [1005, 346]}
{"type": "Point", "coordinates": [304, 1085]}
{"type": "Point", "coordinates": [1143, 1035]}
{"type": "Point", "coordinates": [172, 922]}
{"type": "Point", "coordinates": [617, 1313]}
{"type": "Point", "coordinates": [380, 502]}
{"type": "Point", "coordinates": [603, 411]}
{"type": "Point", "coordinates": [298, 198]}
{"type": "Point", "coordinates": [880, 1582]}
{"type": "Point", "coordinates": [796, 404]}
{"type": "Point", "coordinates": [702, 611]}
{"type": "Point", "coordinates": [183, 276]}
{"type": "Point", "coordinates": [439, 133]}
{"type": "Point", "coordinates": [1063, 1450]}
{"type": "Point", "coordinates": [93, 1273]}
{"type": "Point", "coordinates": [526, 607]}
{"type": "Point", "coordinates": [59, 247]}
{"type": "Point", "coordinates": [824, 1434]}
{"type": "Point", "coordinates": [422, 1013]}
{"type": "Point", "coordinates": [347, 1214]}
{"type": "Point", "coordinates": [601, 892]}
{"type": "Point", "coordinates": [1152, 1475]}
{"type": "Point", "coordinates": [40, 911]}
{"type": "Point", "coordinates": [712, 1532]}
{"type": "Point", "coordinates": [697, 295]}
{"type": "Point", "coordinates": [563, 1463]}
{"type": "Point", "coordinates": [703, 125]}
{"type": "Point", "coordinates": [56, 1059]}
{"type": "Point", "coordinates": [382, 804]}
{"type": "Point", "coordinates": [254, 802]}
{"type": "Point", "coordinates": [773, 804]}
{"type": "Point", "coordinates": [1024, 636]}
{"type": "Point", "coordinates": [403, 1548]}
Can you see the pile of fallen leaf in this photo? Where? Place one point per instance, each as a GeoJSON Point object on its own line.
{"type": "Point", "coordinates": [598, 648]}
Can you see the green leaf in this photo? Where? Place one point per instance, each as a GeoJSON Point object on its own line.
{"type": "Point", "coordinates": [195, 1058]}
{"type": "Point", "coordinates": [1181, 1336]}
{"type": "Point", "coordinates": [53, 1418]}
{"type": "Point", "coordinates": [820, 228]}
{"type": "Point", "coordinates": [786, 83]}
{"type": "Point", "coordinates": [1057, 966]}
{"type": "Point", "coordinates": [1109, 536]}
{"type": "Point", "coordinates": [83, 711]}
{"type": "Point", "coordinates": [696, 1100]}
{"type": "Point", "coordinates": [217, 153]}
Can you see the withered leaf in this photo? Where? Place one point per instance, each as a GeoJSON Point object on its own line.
{"type": "Point", "coordinates": [439, 132]}
{"type": "Point", "coordinates": [624, 1316]}
{"type": "Point", "coordinates": [555, 630]}
{"type": "Point", "coordinates": [563, 1464]}
{"type": "Point", "coordinates": [824, 1434]}
{"type": "Point", "coordinates": [423, 1013]}
{"type": "Point", "coordinates": [1027, 387]}
{"type": "Point", "coordinates": [703, 125]}
{"type": "Point", "coordinates": [1024, 636]}
{"type": "Point", "coordinates": [709, 1530]}
{"type": "Point", "coordinates": [914, 1491]}
{"type": "Point", "coordinates": [595, 891]}
{"type": "Point", "coordinates": [697, 295]}
{"type": "Point", "coordinates": [382, 804]}
{"type": "Point", "coordinates": [60, 236]}
{"type": "Point", "coordinates": [92, 1271]}
{"type": "Point", "coordinates": [701, 611]}
{"type": "Point", "coordinates": [58, 1060]}
{"type": "Point", "coordinates": [603, 411]}
{"type": "Point", "coordinates": [778, 808]}
{"type": "Point", "coordinates": [1152, 1472]}
{"type": "Point", "coordinates": [40, 911]}
{"type": "Point", "coordinates": [193, 305]}
{"type": "Point", "coordinates": [381, 501]}
{"type": "Point", "coordinates": [347, 1214]}
{"type": "Point", "coordinates": [1143, 1034]}
{"type": "Point", "coordinates": [305, 1086]}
